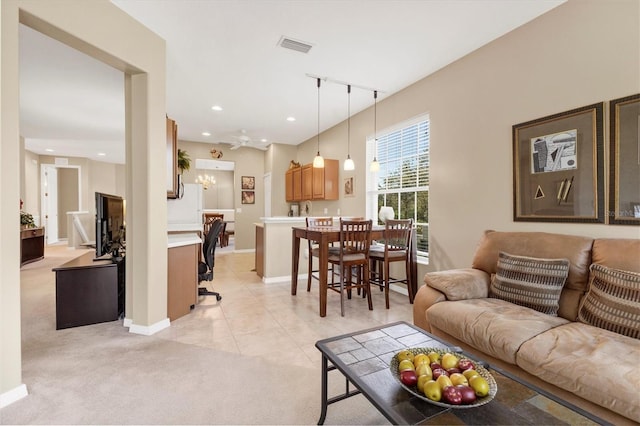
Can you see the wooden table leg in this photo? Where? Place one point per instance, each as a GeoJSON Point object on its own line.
{"type": "Point", "coordinates": [295, 257]}
{"type": "Point", "coordinates": [322, 267]}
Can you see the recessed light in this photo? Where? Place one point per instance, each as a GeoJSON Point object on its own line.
{"type": "Point", "coordinates": [206, 134]}
{"type": "Point", "coordinates": [101, 154]}
{"type": "Point", "coordinates": [216, 108]}
{"type": "Point", "coordinates": [49, 150]}
{"type": "Point", "coordinates": [263, 140]}
{"type": "Point", "coordinates": [291, 119]}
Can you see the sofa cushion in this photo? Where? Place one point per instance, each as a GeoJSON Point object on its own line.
{"type": "Point", "coordinates": [494, 326]}
{"type": "Point", "coordinates": [529, 281]}
{"type": "Point", "coordinates": [613, 301]}
{"type": "Point", "coordinates": [618, 253]}
{"type": "Point", "coordinates": [458, 284]}
{"type": "Point", "coordinates": [595, 364]}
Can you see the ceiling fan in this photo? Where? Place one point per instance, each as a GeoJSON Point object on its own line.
{"type": "Point", "coordinates": [245, 141]}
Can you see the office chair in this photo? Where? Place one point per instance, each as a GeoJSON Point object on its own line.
{"type": "Point", "coordinates": [205, 269]}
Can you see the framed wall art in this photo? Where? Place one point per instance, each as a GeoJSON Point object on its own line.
{"type": "Point", "coordinates": [624, 161]}
{"type": "Point", "coordinates": [558, 167]}
{"type": "Point", "coordinates": [349, 187]}
{"type": "Point", "coordinates": [248, 182]}
{"type": "Point", "coordinates": [248, 197]}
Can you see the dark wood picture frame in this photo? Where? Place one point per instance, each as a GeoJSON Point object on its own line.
{"type": "Point", "coordinates": [624, 160]}
{"type": "Point", "coordinates": [248, 182]}
{"type": "Point", "coordinates": [248, 197]}
{"type": "Point", "coordinates": [558, 167]}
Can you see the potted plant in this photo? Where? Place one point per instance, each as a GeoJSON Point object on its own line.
{"type": "Point", "coordinates": [184, 162]}
{"type": "Point", "coordinates": [26, 219]}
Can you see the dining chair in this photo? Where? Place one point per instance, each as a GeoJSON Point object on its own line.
{"type": "Point", "coordinates": [397, 240]}
{"type": "Point", "coordinates": [314, 250]}
{"type": "Point", "coordinates": [208, 220]}
{"type": "Point", "coordinates": [355, 241]}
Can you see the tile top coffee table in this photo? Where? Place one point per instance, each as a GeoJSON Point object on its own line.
{"type": "Point", "coordinates": [363, 358]}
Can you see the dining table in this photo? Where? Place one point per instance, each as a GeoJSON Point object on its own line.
{"type": "Point", "coordinates": [324, 236]}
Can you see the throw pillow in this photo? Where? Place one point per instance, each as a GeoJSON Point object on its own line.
{"type": "Point", "coordinates": [613, 301]}
{"type": "Point", "coordinates": [529, 281]}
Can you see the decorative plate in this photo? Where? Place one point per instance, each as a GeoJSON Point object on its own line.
{"type": "Point", "coordinates": [493, 386]}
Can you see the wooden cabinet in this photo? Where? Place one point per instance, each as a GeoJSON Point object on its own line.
{"type": "Point", "coordinates": [182, 280]}
{"type": "Point", "coordinates": [293, 185]}
{"type": "Point", "coordinates": [172, 159]}
{"type": "Point", "coordinates": [31, 245]}
{"type": "Point", "coordinates": [259, 258]}
{"type": "Point", "coordinates": [307, 183]}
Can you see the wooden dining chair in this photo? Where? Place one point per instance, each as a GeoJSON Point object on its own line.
{"type": "Point", "coordinates": [397, 240]}
{"type": "Point", "coordinates": [355, 241]}
{"type": "Point", "coordinates": [314, 250]}
{"type": "Point", "coordinates": [208, 220]}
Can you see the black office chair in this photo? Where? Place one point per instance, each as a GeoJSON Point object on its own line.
{"type": "Point", "coordinates": [205, 269]}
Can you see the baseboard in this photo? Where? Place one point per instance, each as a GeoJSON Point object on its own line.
{"type": "Point", "coordinates": [13, 395]}
{"type": "Point", "coordinates": [245, 251]}
{"type": "Point", "coordinates": [399, 289]}
{"type": "Point", "coordinates": [127, 322]}
{"type": "Point", "coordinates": [272, 280]}
{"type": "Point", "coordinates": [148, 330]}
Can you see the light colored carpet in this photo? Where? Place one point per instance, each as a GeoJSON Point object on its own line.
{"type": "Point", "coordinates": [102, 374]}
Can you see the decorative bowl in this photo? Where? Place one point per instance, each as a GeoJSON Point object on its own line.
{"type": "Point", "coordinates": [493, 386]}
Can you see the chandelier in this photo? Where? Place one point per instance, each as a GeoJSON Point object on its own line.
{"type": "Point", "coordinates": [206, 180]}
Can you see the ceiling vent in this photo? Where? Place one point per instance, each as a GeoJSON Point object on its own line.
{"type": "Point", "coordinates": [299, 46]}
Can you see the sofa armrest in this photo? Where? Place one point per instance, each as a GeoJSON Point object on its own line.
{"type": "Point", "coordinates": [424, 299]}
{"type": "Point", "coordinates": [460, 284]}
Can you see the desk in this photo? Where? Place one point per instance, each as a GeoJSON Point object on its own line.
{"type": "Point", "coordinates": [88, 291]}
{"type": "Point", "coordinates": [326, 235]}
{"type": "Point", "coordinates": [182, 276]}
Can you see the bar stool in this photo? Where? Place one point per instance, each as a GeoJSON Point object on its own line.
{"type": "Point", "coordinates": [314, 251]}
{"type": "Point", "coordinates": [397, 240]}
{"type": "Point", "coordinates": [355, 242]}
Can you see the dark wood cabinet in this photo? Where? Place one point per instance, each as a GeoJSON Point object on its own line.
{"type": "Point", "coordinates": [31, 245]}
{"type": "Point", "coordinates": [89, 291]}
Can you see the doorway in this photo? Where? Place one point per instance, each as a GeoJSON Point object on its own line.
{"type": "Point", "coordinates": [60, 193]}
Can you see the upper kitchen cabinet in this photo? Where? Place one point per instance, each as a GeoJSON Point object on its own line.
{"type": "Point", "coordinates": [172, 159]}
{"type": "Point", "coordinates": [307, 183]}
{"type": "Point", "coordinates": [293, 184]}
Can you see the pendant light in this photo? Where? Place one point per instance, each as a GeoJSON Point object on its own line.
{"type": "Point", "coordinates": [375, 166]}
{"type": "Point", "coordinates": [348, 163]}
{"type": "Point", "coordinates": [318, 161]}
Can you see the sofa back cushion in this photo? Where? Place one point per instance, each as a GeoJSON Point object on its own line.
{"type": "Point", "coordinates": [529, 281]}
{"type": "Point", "coordinates": [617, 253]}
{"type": "Point", "coordinates": [537, 244]}
{"type": "Point", "coordinates": [544, 245]}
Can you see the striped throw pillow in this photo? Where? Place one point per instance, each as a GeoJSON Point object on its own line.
{"type": "Point", "coordinates": [613, 301]}
{"type": "Point", "coordinates": [530, 282]}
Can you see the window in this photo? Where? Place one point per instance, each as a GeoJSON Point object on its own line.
{"type": "Point", "coordinates": [403, 179]}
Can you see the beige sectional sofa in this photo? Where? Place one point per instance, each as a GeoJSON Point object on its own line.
{"type": "Point", "coordinates": [593, 368]}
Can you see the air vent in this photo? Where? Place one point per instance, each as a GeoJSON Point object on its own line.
{"type": "Point", "coordinates": [299, 46]}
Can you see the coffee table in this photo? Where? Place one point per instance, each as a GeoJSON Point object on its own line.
{"type": "Point", "coordinates": [363, 358]}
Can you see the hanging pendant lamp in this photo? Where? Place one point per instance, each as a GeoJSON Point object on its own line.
{"type": "Point", "coordinates": [318, 161]}
{"type": "Point", "coordinates": [375, 166]}
{"type": "Point", "coordinates": [348, 163]}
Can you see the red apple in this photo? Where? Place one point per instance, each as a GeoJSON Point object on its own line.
{"type": "Point", "coordinates": [465, 364]}
{"type": "Point", "coordinates": [467, 393]}
{"type": "Point", "coordinates": [453, 370]}
{"type": "Point", "coordinates": [434, 366]}
{"type": "Point", "coordinates": [439, 372]}
{"type": "Point", "coordinates": [408, 377]}
{"type": "Point", "coordinates": [452, 395]}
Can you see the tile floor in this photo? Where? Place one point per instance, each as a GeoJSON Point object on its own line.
{"type": "Point", "coordinates": [266, 321]}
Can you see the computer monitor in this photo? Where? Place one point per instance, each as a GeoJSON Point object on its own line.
{"type": "Point", "coordinates": [110, 230]}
